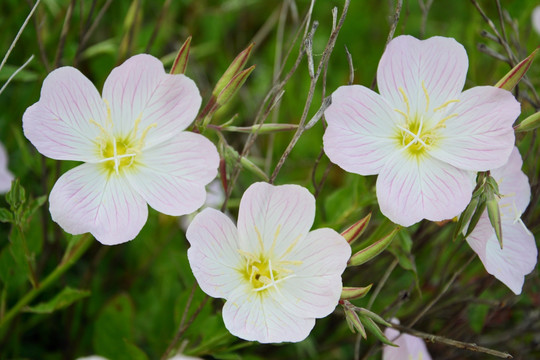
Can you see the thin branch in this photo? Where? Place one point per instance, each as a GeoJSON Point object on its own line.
{"type": "Point", "coordinates": [15, 73]}
{"type": "Point", "coordinates": [18, 35]}
{"type": "Point", "coordinates": [459, 344]}
{"type": "Point", "coordinates": [63, 34]}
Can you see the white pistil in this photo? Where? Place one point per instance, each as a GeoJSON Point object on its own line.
{"type": "Point", "coordinates": [116, 158]}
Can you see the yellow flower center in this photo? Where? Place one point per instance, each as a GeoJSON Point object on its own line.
{"type": "Point", "coordinates": [264, 270]}
{"type": "Point", "coordinates": [118, 153]}
{"type": "Point", "coordinates": [415, 135]}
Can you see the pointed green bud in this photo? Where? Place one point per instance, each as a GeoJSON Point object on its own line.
{"type": "Point", "coordinates": [465, 216]}
{"type": "Point", "coordinates": [354, 321]}
{"type": "Point", "coordinates": [493, 185]}
{"type": "Point", "coordinates": [372, 250]}
{"type": "Point", "coordinates": [181, 61]}
{"type": "Point", "coordinates": [476, 215]}
{"type": "Point", "coordinates": [233, 86]}
{"type": "Point", "coordinates": [373, 328]}
{"type": "Point", "coordinates": [351, 293]}
{"type": "Point", "coordinates": [355, 230]}
{"type": "Point", "coordinates": [530, 123]}
{"type": "Point", "coordinates": [236, 67]}
{"type": "Point", "coordinates": [510, 80]}
{"type": "Point", "coordinates": [494, 214]}
{"type": "Point", "coordinates": [373, 316]}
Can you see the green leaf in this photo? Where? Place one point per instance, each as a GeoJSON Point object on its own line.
{"type": "Point", "coordinates": [63, 299]}
{"type": "Point", "coordinates": [113, 327]}
{"type": "Point", "coordinates": [134, 352]}
{"type": "Point", "coordinates": [33, 206]}
{"type": "Point", "coordinates": [16, 196]}
{"type": "Point", "coordinates": [476, 313]}
{"type": "Point", "coordinates": [6, 216]}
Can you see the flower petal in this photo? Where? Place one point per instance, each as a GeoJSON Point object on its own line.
{"type": "Point", "coordinates": [510, 264]}
{"type": "Point", "coordinates": [481, 136]}
{"type": "Point", "coordinates": [60, 124]}
{"type": "Point", "coordinates": [274, 216]}
{"type": "Point", "coordinates": [5, 175]}
{"type": "Point", "coordinates": [513, 186]}
{"type": "Point", "coordinates": [315, 287]}
{"type": "Point", "coordinates": [360, 129]}
{"type": "Point", "coordinates": [172, 176]}
{"type": "Point", "coordinates": [213, 255]}
{"type": "Point", "coordinates": [440, 63]}
{"type": "Point", "coordinates": [255, 317]}
{"type": "Point", "coordinates": [140, 89]}
{"type": "Point", "coordinates": [410, 189]}
{"type": "Point", "coordinates": [85, 199]}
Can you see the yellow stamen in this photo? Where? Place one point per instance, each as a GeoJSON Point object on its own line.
{"type": "Point", "coordinates": [291, 247]}
{"type": "Point", "coordinates": [402, 113]}
{"type": "Point", "coordinates": [445, 104]}
{"type": "Point", "coordinates": [426, 94]}
{"type": "Point", "coordinates": [145, 132]}
{"type": "Point", "coordinates": [260, 239]}
{"type": "Point", "coordinates": [406, 99]}
{"type": "Point", "coordinates": [276, 234]}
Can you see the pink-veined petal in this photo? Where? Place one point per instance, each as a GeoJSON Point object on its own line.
{"type": "Point", "coordinates": [361, 125]}
{"type": "Point", "coordinates": [513, 186]}
{"type": "Point", "coordinates": [172, 176]}
{"type": "Point", "coordinates": [85, 199]}
{"type": "Point", "coordinates": [315, 286]}
{"type": "Point", "coordinates": [411, 188]}
{"type": "Point", "coordinates": [481, 136]}
{"type": "Point", "coordinates": [516, 259]}
{"type": "Point", "coordinates": [213, 255]}
{"type": "Point", "coordinates": [140, 89]}
{"type": "Point", "coordinates": [5, 175]}
{"type": "Point", "coordinates": [274, 217]}
{"type": "Point", "coordinates": [60, 125]}
{"type": "Point", "coordinates": [440, 63]}
{"type": "Point", "coordinates": [410, 347]}
{"type": "Point", "coordinates": [255, 317]}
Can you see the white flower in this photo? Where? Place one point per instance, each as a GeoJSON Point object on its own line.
{"type": "Point", "coordinates": [409, 347]}
{"type": "Point", "coordinates": [133, 145]}
{"type": "Point", "coordinates": [276, 275]}
{"type": "Point", "coordinates": [5, 175]}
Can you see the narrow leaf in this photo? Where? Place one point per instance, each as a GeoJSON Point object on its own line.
{"type": "Point", "coordinates": [373, 316]}
{"type": "Point", "coordinates": [465, 217]}
{"type": "Point", "coordinates": [354, 232]}
{"type": "Point", "coordinates": [510, 80]}
{"type": "Point", "coordinates": [476, 216]}
{"type": "Point", "coordinates": [351, 293]}
{"type": "Point", "coordinates": [6, 216]}
{"type": "Point", "coordinates": [354, 321]}
{"type": "Point", "coordinates": [373, 250]}
{"type": "Point", "coordinates": [63, 299]}
{"type": "Point", "coordinates": [181, 60]}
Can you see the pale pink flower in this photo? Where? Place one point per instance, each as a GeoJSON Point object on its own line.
{"type": "Point", "coordinates": [422, 135]}
{"type": "Point", "coordinates": [5, 175]}
{"type": "Point", "coordinates": [215, 196]}
{"type": "Point", "coordinates": [519, 254]}
{"type": "Point", "coordinates": [410, 347]}
{"type": "Point", "coordinates": [132, 143]}
{"type": "Point", "coordinates": [276, 275]}
{"type": "Point", "coordinates": [536, 19]}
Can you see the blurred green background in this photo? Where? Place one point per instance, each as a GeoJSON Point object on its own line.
{"type": "Point", "coordinates": [138, 290]}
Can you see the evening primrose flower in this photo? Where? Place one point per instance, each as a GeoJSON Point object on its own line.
{"type": "Point", "coordinates": [275, 274]}
{"type": "Point", "coordinates": [518, 256]}
{"type": "Point", "coordinates": [421, 135]}
{"type": "Point", "coordinates": [409, 347]}
{"type": "Point", "coordinates": [5, 175]}
{"type": "Point", "coordinates": [132, 143]}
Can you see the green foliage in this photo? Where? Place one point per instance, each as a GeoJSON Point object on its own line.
{"type": "Point", "coordinates": [63, 299]}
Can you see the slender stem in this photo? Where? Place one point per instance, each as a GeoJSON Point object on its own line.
{"type": "Point", "coordinates": [33, 277]}
{"type": "Point", "coordinates": [455, 343]}
{"type": "Point", "coordinates": [443, 291]}
{"type": "Point", "coordinates": [65, 264]}
{"type": "Point", "coordinates": [182, 328]}
{"type": "Point", "coordinates": [381, 283]}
